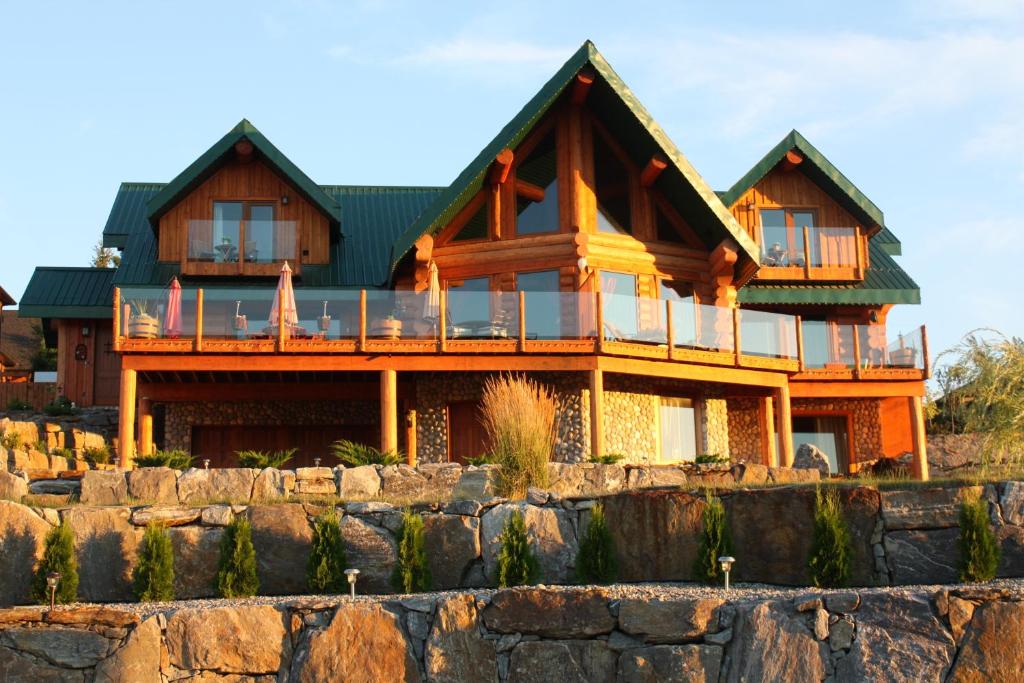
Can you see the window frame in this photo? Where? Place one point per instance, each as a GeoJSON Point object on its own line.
{"type": "Point", "coordinates": [791, 227]}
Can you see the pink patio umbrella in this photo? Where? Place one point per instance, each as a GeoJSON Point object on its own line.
{"type": "Point", "coordinates": [172, 316]}
{"type": "Point", "coordinates": [284, 287]}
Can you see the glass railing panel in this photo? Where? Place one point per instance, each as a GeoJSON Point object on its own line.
{"type": "Point", "coordinates": [828, 344]}
{"type": "Point", "coordinates": [158, 312]}
{"type": "Point", "coordinates": [254, 241]}
{"type": "Point", "coordinates": [241, 313]}
{"type": "Point", "coordinates": [328, 313]}
{"type": "Point", "coordinates": [700, 327]}
{"type": "Point", "coordinates": [833, 247]}
{"type": "Point", "coordinates": [906, 351]}
{"type": "Point", "coordinates": [771, 335]}
{"type": "Point", "coordinates": [483, 315]}
{"type": "Point", "coordinates": [269, 241]}
{"type": "Point", "coordinates": [634, 319]}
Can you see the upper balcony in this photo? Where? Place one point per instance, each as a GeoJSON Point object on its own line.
{"type": "Point", "coordinates": [330, 321]}
{"type": "Point", "coordinates": [255, 247]}
{"type": "Point", "coordinates": [811, 253]}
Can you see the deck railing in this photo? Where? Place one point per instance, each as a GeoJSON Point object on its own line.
{"type": "Point", "coordinates": [333, 320]}
{"type": "Point", "coordinates": [812, 252]}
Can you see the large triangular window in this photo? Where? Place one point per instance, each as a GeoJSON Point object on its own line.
{"type": "Point", "coordinates": [537, 189]}
{"type": "Point", "coordinates": [611, 180]}
{"type": "Point", "coordinates": [475, 228]}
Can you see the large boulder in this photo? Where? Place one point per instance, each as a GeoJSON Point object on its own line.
{"type": "Point", "coordinates": [12, 487]}
{"type": "Point", "coordinates": [362, 643]}
{"type": "Point", "coordinates": [153, 485]}
{"type": "Point", "coordinates": [770, 643]}
{"type": "Point", "coordinates": [477, 483]}
{"type": "Point", "coordinates": [772, 531]}
{"type": "Point", "coordinates": [455, 650]}
{"type": "Point", "coordinates": [454, 542]}
{"type": "Point", "coordinates": [106, 545]}
{"type": "Point", "coordinates": [273, 484]}
{"type": "Point", "coordinates": [281, 535]}
{"type": "Point", "coordinates": [931, 508]}
{"type": "Point", "coordinates": [670, 663]}
{"type": "Point", "coordinates": [372, 550]}
{"type": "Point", "coordinates": [68, 647]}
{"type": "Point", "coordinates": [234, 485]}
{"type": "Point", "coordinates": [358, 483]}
{"type": "Point", "coordinates": [810, 457]}
{"type": "Point", "coordinates": [656, 533]}
{"type": "Point", "coordinates": [138, 660]}
{"type": "Point", "coordinates": [566, 614]}
{"type": "Point", "coordinates": [166, 515]}
{"type": "Point", "coordinates": [250, 639]}
{"type": "Point", "coordinates": [21, 545]}
{"type": "Point", "coordinates": [922, 555]}
{"type": "Point", "coordinates": [1012, 502]}
{"type": "Point", "coordinates": [564, 661]}
{"type": "Point", "coordinates": [993, 645]}
{"type": "Point", "coordinates": [656, 476]}
{"type": "Point", "coordinates": [898, 638]}
{"type": "Point", "coordinates": [442, 478]}
{"type": "Point", "coordinates": [104, 487]}
{"type": "Point", "coordinates": [585, 479]}
{"type": "Point", "coordinates": [196, 553]}
{"type": "Point", "coordinates": [549, 530]}
{"type": "Point", "coordinates": [669, 620]}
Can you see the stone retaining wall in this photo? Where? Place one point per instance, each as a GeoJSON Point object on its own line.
{"type": "Point", "coordinates": [526, 635]}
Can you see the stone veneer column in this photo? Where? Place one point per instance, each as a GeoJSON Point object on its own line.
{"type": "Point", "coordinates": [714, 426]}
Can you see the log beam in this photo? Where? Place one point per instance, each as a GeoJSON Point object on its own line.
{"type": "Point", "coordinates": [652, 170]}
{"type": "Point", "coordinates": [769, 451]}
{"type": "Point", "coordinates": [581, 86]}
{"type": "Point", "coordinates": [785, 426]}
{"type": "Point", "coordinates": [792, 159]}
{"type": "Point", "coordinates": [126, 419]}
{"type": "Point", "coordinates": [388, 410]}
{"type": "Point", "coordinates": [145, 426]}
{"type": "Point", "coordinates": [501, 167]}
{"type": "Point", "coordinates": [596, 413]}
{"type": "Point", "coordinates": [534, 193]}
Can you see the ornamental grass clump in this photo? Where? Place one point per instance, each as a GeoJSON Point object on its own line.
{"type": "Point", "coordinates": [979, 549]}
{"type": "Point", "coordinates": [596, 561]}
{"type": "Point", "coordinates": [411, 574]}
{"type": "Point", "coordinates": [153, 576]}
{"type": "Point", "coordinates": [58, 556]}
{"type": "Point", "coordinates": [517, 564]}
{"type": "Point", "coordinates": [519, 417]}
{"type": "Point", "coordinates": [715, 541]}
{"type": "Point", "coordinates": [325, 570]}
{"type": "Point", "coordinates": [831, 547]}
{"type": "Point", "coordinates": [236, 571]}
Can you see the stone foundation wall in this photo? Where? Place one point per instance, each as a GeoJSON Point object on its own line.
{"type": "Point", "coordinates": [522, 635]}
{"type": "Point", "coordinates": [745, 429]}
{"type": "Point", "coordinates": [865, 415]}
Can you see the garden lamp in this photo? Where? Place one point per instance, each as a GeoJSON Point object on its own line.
{"type": "Point", "coordinates": [352, 575]}
{"type": "Point", "coordinates": [316, 462]}
{"type": "Point", "coordinates": [206, 463]}
{"type": "Point", "coordinates": [52, 579]}
{"type": "Point", "coordinates": [726, 561]}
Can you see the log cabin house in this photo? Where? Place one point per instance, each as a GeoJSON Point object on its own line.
{"type": "Point", "coordinates": [580, 247]}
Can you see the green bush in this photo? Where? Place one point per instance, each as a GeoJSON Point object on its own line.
{"type": "Point", "coordinates": [63, 453]}
{"type": "Point", "coordinates": [979, 549]}
{"type": "Point", "coordinates": [61, 405]}
{"type": "Point", "coordinates": [11, 440]}
{"type": "Point", "coordinates": [264, 459]}
{"type": "Point", "coordinates": [175, 459]}
{"type": "Point", "coordinates": [98, 455]}
{"type": "Point", "coordinates": [519, 416]}
{"type": "Point", "coordinates": [831, 547]}
{"type": "Point", "coordinates": [715, 541]}
{"type": "Point", "coordinates": [517, 564]}
{"type": "Point", "coordinates": [58, 556]}
{"type": "Point", "coordinates": [485, 459]}
{"type": "Point", "coordinates": [711, 459]}
{"type": "Point", "coordinates": [352, 454]}
{"type": "Point", "coordinates": [325, 571]}
{"type": "Point", "coordinates": [411, 574]}
{"type": "Point", "coordinates": [153, 576]}
{"type": "Point", "coordinates": [608, 458]}
{"type": "Point", "coordinates": [236, 571]}
{"type": "Point", "coordinates": [596, 561]}
{"type": "Point", "coordinates": [18, 404]}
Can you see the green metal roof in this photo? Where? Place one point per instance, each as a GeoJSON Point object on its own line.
{"type": "Point", "coordinates": [6, 299]}
{"type": "Point", "coordinates": [205, 165]}
{"type": "Point", "coordinates": [884, 283]}
{"type": "Point", "coordinates": [128, 212]}
{"type": "Point", "coordinates": [69, 293]}
{"type": "Point", "coordinates": [889, 243]}
{"type": "Point", "coordinates": [615, 103]}
{"type": "Point", "coordinates": [818, 169]}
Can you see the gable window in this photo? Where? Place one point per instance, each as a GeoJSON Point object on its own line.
{"type": "Point", "coordinates": [678, 420]}
{"type": "Point", "coordinates": [782, 236]}
{"type": "Point", "coordinates": [611, 185]}
{"type": "Point", "coordinates": [537, 189]}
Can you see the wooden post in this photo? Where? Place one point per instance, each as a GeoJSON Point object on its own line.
{"type": "Point", "coordinates": [126, 420]}
{"type": "Point", "coordinates": [281, 330]}
{"type": "Point", "coordinates": [410, 437]}
{"type": "Point", "coordinates": [126, 315]}
{"type": "Point", "coordinates": [199, 319]}
{"type": "Point", "coordinates": [736, 341]}
{"type": "Point", "coordinates": [388, 410]}
{"type": "Point", "coordinates": [117, 318]}
{"type": "Point", "coordinates": [800, 342]}
{"type": "Point", "coordinates": [596, 413]}
{"type": "Point", "coordinates": [807, 252]}
{"type": "Point", "coordinates": [917, 433]}
{"type": "Point", "coordinates": [145, 426]}
{"type": "Point", "coordinates": [768, 446]}
{"type": "Point", "coordinates": [785, 426]}
{"type": "Point", "coordinates": [362, 320]}
{"type": "Point", "coordinates": [856, 352]}
{"type": "Point", "coordinates": [522, 322]}
{"type": "Point", "coordinates": [859, 248]}
{"type": "Point", "coordinates": [669, 336]}
{"type": "Point", "coordinates": [924, 352]}
{"type": "Point", "coordinates": [442, 309]}
{"type": "Point", "coordinates": [599, 313]}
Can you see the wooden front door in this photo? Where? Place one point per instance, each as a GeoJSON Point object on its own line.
{"type": "Point", "coordinates": [466, 435]}
{"type": "Point", "coordinates": [220, 443]}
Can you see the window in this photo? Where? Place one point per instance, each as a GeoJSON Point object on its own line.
{"type": "Point", "coordinates": [475, 228]}
{"type": "Point", "coordinates": [543, 303]}
{"type": "Point", "coordinates": [245, 231]}
{"type": "Point", "coordinates": [678, 429]}
{"type": "Point", "coordinates": [782, 236]}
{"type": "Point", "coordinates": [469, 301]}
{"type": "Point", "coordinates": [611, 181]}
{"type": "Point", "coordinates": [537, 199]}
{"type": "Point", "coordinates": [618, 296]}
{"type": "Point", "coordinates": [830, 433]}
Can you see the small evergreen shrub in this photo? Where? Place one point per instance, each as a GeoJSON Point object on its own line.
{"type": "Point", "coordinates": [58, 556]}
{"type": "Point", "coordinates": [608, 458]}
{"type": "Point", "coordinates": [520, 418]}
{"type": "Point", "coordinates": [153, 576]}
{"type": "Point", "coordinates": [62, 452]}
{"type": "Point", "coordinates": [61, 405]}
{"type": "Point", "coordinates": [11, 440]}
{"type": "Point", "coordinates": [517, 564]}
{"type": "Point", "coordinates": [264, 459]}
{"type": "Point", "coordinates": [411, 574]}
{"type": "Point", "coordinates": [175, 459]}
{"type": "Point", "coordinates": [98, 455]}
{"type": "Point", "coordinates": [236, 571]}
{"type": "Point", "coordinates": [711, 459]}
{"type": "Point", "coordinates": [18, 404]}
{"type": "Point", "coordinates": [352, 454]}
{"type": "Point", "coordinates": [596, 561]}
{"type": "Point", "coordinates": [831, 547]}
{"type": "Point", "coordinates": [715, 541]}
{"type": "Point", "coordinates": [325, 571]}
{"type": "Point", "coordinates": [40, 446]}
{"type": "Point", "coordinates": [979, 549]}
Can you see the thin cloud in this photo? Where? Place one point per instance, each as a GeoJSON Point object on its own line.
{"type": "Point", "coordinates": [339, 51]}
{"type": "Point", "coordinates": [473, 53]}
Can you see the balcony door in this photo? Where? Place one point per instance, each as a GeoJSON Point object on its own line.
{"type": "Point", "coordinates": [782, 236]}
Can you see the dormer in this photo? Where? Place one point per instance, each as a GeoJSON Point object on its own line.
{"type": "Point", "coordinates": [243, 209]}
{"type": "Point", "coordinates": [808, 220]}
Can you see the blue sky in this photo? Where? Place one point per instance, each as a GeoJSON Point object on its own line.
{"type": "Point", "coordinates": [921, 104]}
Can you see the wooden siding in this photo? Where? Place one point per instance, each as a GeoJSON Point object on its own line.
{"type": "Point", "coordinates": [245, 181]}
{"type": "Point", "coordinates": [36, 394]}
{"type": "Point", "coordinates": [94, 379]}
{"type": "Point", "coordinates": [894, 418]}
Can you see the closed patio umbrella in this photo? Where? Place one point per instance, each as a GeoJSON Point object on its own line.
{"type": "Point", "coordinates": [432, 304]}
{"type": "Point", "coordinates": [172, 316]}
{"type": "Point", "coordinates": [284, 287]}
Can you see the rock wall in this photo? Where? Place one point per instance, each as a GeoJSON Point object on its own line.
{"type": "Point", "coordinates": [627, 634]}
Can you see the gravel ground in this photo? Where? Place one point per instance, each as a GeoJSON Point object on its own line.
{"type": "Point", "coordinates": [742, 592]}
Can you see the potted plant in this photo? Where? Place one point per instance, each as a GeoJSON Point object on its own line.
{"type": "Point", "coordinates": [142, 324]}
{"type": "Point", "coordinates": [388, 328]}
{"type": "Point", "coordinates": [903, 358]}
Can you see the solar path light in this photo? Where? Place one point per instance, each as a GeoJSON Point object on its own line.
{"type": "Point", "coordinates": [352, 575]}
{"type": "Point", "coordinates": [726, 561]}
{"type": "Point", "coordinates": [52, 579]}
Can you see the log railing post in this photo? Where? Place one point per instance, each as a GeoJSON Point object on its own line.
{"type": "Point", "coordinates": [117, 319]}
{"type": "Point", "coordinates": [736, 341]}
{"type": "Point", "coordinates": [807, 252]}
{"type": "Point", "coordinates": [856, 351]}
{"type": "Point", "coordinates": [362, 320]}
{"type": "Point", "coordinates": [199, 319]}
{"type": "Point", "coordinates": [599, 315]}
{"type": "Point", "coordinates": [442, 309]}
{"type": "Point", "coordinates": [800, 342]}
{"type": "Point", "coordinates": [522, 322]}
{"type": "Point", "coordinates": [927, 365]}
{"type": "Point", "coordinates": [669, 330]}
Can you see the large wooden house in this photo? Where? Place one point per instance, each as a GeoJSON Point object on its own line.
{"type": "Point", "coordinates": [579, 247]}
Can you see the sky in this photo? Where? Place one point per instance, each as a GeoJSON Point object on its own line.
{"type": "Point", "coordinates": [919, 103]}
